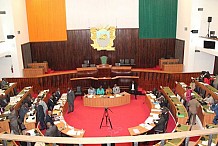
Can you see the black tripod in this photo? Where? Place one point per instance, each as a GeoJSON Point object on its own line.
{"type": "Point", "coordinates": [106, 115]}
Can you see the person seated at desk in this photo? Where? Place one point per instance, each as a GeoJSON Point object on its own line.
{"type": "Point", "coordinates": [58, 93]}
{"type": "Point", "coordinates": [13, 121]}
{"type": "Point", "coordinates": [51, 103]}
{"type": "Point", "coordinates": [133, 88]}
{"type": "Point", "coordinates": [49, 118]}
{"type": "Point", "coordinates": [108, 91]}
{"type": "Point", "coordinates": [40, 116]}
{"type": "Point", "coordinates": [4, 84]}
{"type": "Point", "coordinates": [209, 99]}
{"type": "Point", "coordinates": [100, 91]}
{"type": "Point", "coordinates": [192, 85]}
{"type": "Point", "coordinates": [161, 100]}
{"type": "Point", "coordinates": [214, 108]}
{"type": "Point", "coordinates": [22, 112]}
{"type": "Point", "coordinates": [52, 130]}
{"type": "Point", "coordinates": [43, 104]}
{"type": "Point", "coordinates": [116, 89]}
{"type": "Point", "coordinates": [161, 124]}
{"type": "Point", "coordinates": [91, 91]}
{"type": "Point", "coordinates": [215, 82]}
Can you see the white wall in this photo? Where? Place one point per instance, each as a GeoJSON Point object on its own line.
{"type": "Point", "coordinates": [83, 14]}
{"type": "Point", "coordinates": [13, 21]}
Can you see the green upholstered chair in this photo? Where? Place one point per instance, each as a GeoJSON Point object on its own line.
{"type": "Point", "coordinates": [103, 59]}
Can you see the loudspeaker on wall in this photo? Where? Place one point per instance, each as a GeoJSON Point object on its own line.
{"type": "Point", "coordinates": [209, 19]}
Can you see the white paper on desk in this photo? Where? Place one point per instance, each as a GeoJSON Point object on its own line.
{"type": "Point", "coordinates": [209, 111]}
{"type": "Point", "coordinates": [57, 107]}
{"type": "Point", "coordinates": [111, 96]}
{"type": "Point", "coordinates": [153, 96]}
{"type": "Point", "coordinates": [192, 94]}
{"type": "Point", "coordinates": [156, 116]}
{"type": "Point", "coordinates": [172, 96]}
{"type": "Point", "coordinates": [147, 126]}
{"type": "Point", "coordinates": [71, 132]}
{"type": "Point", "coordinates": [57, 122]}
{"type": "Point", "coordinates": [149, 120]}
{"type": "Point", "coordinates": [7, 112]}
{"type": "Point", "coordinates": [136, 131]}
{"type": "Point", "coordinates": [156, 110]}
{"type": "Point", "coordinates": [152, 100]}
{"type": "Point", "coordinates": [157, 106]}
{"type": "Point", "coordinates": [31, 119]}
{"type": "Point", "coordinates": [118, 95]}
{"type": "Point", "coordinates": [10, 84]}
{"type": "Point", "coordinates": [31, 132]}
{"type": "Point", "coordinates": [78, 133]}
{"type": "Point", "coordinates": [205, 142]}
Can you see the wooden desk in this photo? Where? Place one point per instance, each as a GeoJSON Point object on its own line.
{"type": "Point", "coordinates": [33, 72]}
{"type": "Point", "coordinates": [87, 71]}
{"type": "Point", "coordinates": [10, 90]}
{"type": "Point", "coordinates": [176, 107]}
{"type": "Point", "coordinates": [167, 61]}
{"type": "Point", "coordinates": [208, 89]}
{"type": "Point", "coordinates": [104, 70]}
{"type": "Point", "coordinates": [204, 113]}
{"type": "Point", "coordinates": [39, 65]}
{"type": "Point", "coordinates": [172, 67]}
{"type": "Point", "coordinates": [106, 100]}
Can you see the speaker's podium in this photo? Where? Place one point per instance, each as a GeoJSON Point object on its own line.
{"type": "Point", "coordinates": [104, 70]}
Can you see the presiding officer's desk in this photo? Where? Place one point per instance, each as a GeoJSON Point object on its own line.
{"type": "Point", "coordinates": [39, 65]}
{"type": "Point", "coordinates": [106, 100]}
{"type": "Point", "coordinates": [204, 113]}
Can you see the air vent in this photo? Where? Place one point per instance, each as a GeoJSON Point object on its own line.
{"type": "Point", "coordinates": [2, 12]}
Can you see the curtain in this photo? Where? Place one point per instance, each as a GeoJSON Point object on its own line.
{"type": "Point", "coordinates": [157, 18]}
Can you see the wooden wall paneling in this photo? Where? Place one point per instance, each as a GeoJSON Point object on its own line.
{"type": "Point", "coordinates": [26, 54]}
{"type": "Point", "coordinates": [70, 54]}
{"type": "Point", "coordinates": [179, 50]}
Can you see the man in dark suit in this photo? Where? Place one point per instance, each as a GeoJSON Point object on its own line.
{"type": "Point", "coordinates": [52, 130]}
{"type": "Point", "coordinates": [58, 94]}
{"type": "Point", "coordinates": [49, 118]}
{"type": "Point", "coordinates": [160, 125]}
{"type": "Point", "coordinates": [22, 112]}
{"type": "Point", "coordinates": [70, 100]}
{"type": "Point", "coordinates": [51, 103]}
{"type": "Point", "coordinates": [40, 116]}
{"type": "Point", "coordinates": [133, 88]}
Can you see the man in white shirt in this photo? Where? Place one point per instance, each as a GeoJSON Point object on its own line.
{"type": "Point", "coordinates": [133, 88]}
{"type": "Point", "coordinates": [91, 91]}
{"type": "Point", "coordinates": [116, 89]}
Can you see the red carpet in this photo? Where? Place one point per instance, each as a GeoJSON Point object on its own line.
{"type": "Point", "coordinates": [122, 117]}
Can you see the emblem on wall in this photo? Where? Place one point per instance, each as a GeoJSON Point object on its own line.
{"type": "Point", "coordinates": [103, 38]}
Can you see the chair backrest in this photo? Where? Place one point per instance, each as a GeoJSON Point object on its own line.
{"type": "Point", "coordinates": [78, 89]}
{"type": "Point", "coordinates": [132, 61]}
{"type": "Point", "coordinates": [126, 61]}
{"type": "Point", "coordinates": [92, 65]}
{"type": "Point", "coordinates": [103, 59]}
{"type": "Point", "coordinates": [84, 65]}
{"type": "Point", "coordinates": [121, 61]}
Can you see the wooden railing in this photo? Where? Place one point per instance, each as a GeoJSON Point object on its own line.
{"type": "Point", "coordinates": [100, 140]}
{"type": "Point", "coordinates": [148, 79]}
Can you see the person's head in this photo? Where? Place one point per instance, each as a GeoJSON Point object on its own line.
{"type": "Point", "coordinates": [38, 100]}
{"type": "Point", "coordinates": [26, 104]}
{"type": "Point", "coordinates": [108, 87]}
{"type": "Point", "coordinates": [58, 89]}
{"type": "Point", "coordinates": [193, 80]}
{"type": "Point", "coordinates": [48, 124]}
{"type": "Point", "coordinates": [208, 95]}
{"type": "Point", "coordinates": [115, 85]}
{"type": "Point", "coordinates": [68, 89]}
{"type": "Point", "coordinates": [11, 108]}
{"type": "Point", "coordinates": [91, 87]}
{"type": "Point", "coordinates": [53, 93]}
{"type": "Point", "coordinates": [188, 87]}
{"type": "Point", "coordinates": [49, 113]}
{"type": "Point", "coordinates": [100, 86]}
{"type": "Point", "coordinates": [192, 97]}
{"type": "Point", "coordinates": [133, 81]}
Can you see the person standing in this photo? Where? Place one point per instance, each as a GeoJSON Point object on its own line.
{"type": "Point", "coordinates": [193, 106]}
{"type": "Point", "coordinates": [58, 93]}
{"type": "Point", "coordinates": [13, 121]}
{"type": "Point", "coordinates": [133, 88]}
{"type": "Point", "coordinates": [70, 100]}
{"type": "Point", "coordinates": [214, 108]}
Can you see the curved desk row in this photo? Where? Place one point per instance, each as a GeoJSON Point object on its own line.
{"type": "Point", "coordinates": [176, 107]}
{"type": "Point", "coordinates": [208, 89]}
{"type": "Point", "coordinates": [9, 90]}
{"type": "Point", "coordinates": [204, 113]}
{"type": "Point", "coordinates": [106, 100]}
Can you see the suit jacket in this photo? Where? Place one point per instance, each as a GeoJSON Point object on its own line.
{"type": "Point", "coordinates": [22, 112]}
{"type": "Point", "coordinates": [58, 94]}
{"type": "Point", "coordinates": [70, 97]}
{"type": "Point", "coordinates": [13, 118]}
{"type": "Point", "coordinates": [53, 132]}
{"type": "Point", "coordinates": [193, 106]}
{"type": "Point", "coordinates": [135, 87]}
{"type": "Point", "coordinates": [49, 119]}
{"type": "Point", "coordinates": [161, 125]}
{"type": "Point", "coordinates": [51, 104]}
{"type": "Point", "coordinates": [40, 113]}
